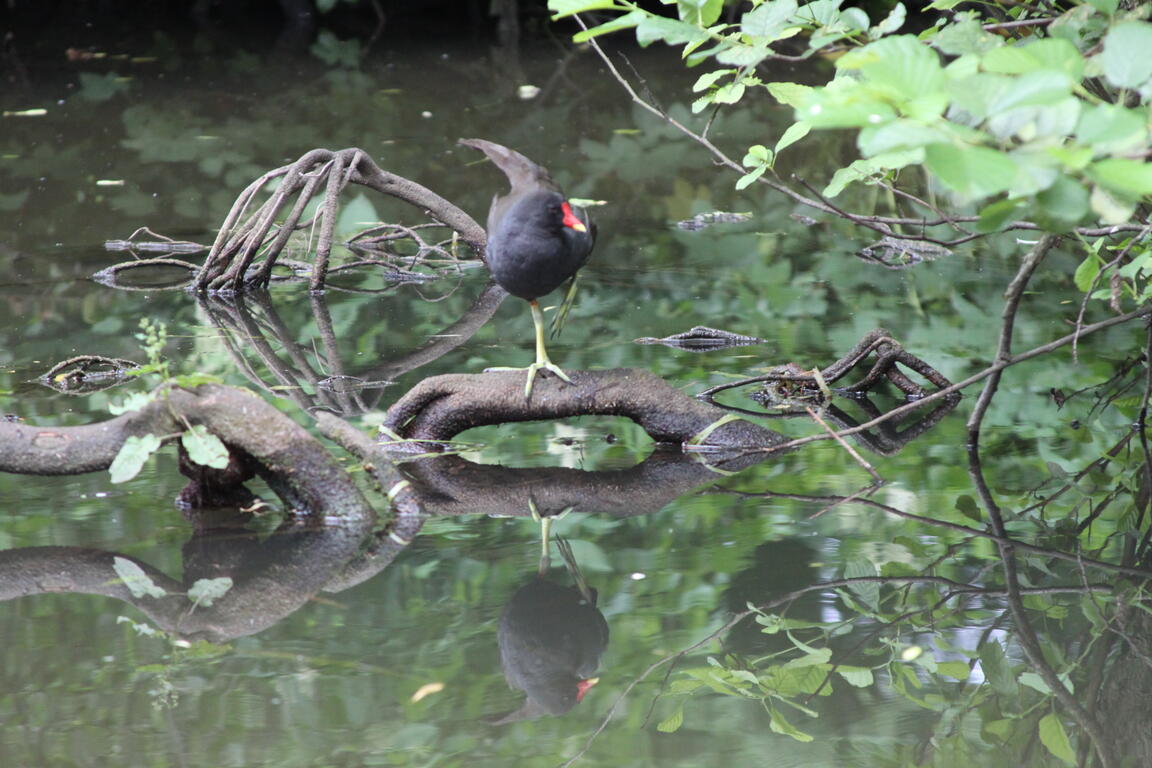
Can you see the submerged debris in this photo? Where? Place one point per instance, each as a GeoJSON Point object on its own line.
{"type": "Point", "coordinates": [701, 338]}
{"type": "Point", "coordinates": [702, 220]}
{"type": "Point", "coordinates": [899, 253]}
{"type": "Point", "coordinates": [343, 384]}
{"type": "Point", "coordinates": [159, 243]}
{"type": "Point", "coordinates": [87, 373]}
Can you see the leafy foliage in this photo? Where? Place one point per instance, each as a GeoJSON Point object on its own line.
{"type": "Point", "coordinates": [1039, 118]}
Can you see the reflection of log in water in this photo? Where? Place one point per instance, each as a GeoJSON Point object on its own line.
{"type": "Point", "coordinates": [271, 578]}
{"type": "Point", "coordinates": [450, 485]}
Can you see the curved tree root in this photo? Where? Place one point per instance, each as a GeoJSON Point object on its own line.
{"type": "Point", "coordinates": [293, 462]}
{"type": "Point", "coordinates": [443, 406]}
{"type": "Point", "coordinates": [246, 236]}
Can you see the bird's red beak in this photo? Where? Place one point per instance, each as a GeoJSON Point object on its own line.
{"type": "Point", "coordinates": [570, 219]}
{"type": "Point", "coordinates": [583, 686]}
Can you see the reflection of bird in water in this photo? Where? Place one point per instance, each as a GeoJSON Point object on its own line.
{"type": "Point", "coordinates": [551, 638]}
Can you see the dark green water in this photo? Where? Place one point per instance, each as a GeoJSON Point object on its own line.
{"type": "Point", "coordinates": [333, 682]}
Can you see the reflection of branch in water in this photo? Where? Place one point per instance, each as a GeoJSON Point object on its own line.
{"type": "Point", "coordinates": [1025, 633]}
{"type": "Point", "coordinates": [956, 588]}
{"type": "Point", "coordinates": [790, 383]}
{"type": "Point", "coordinates": [450, 485]}
{"type": "Point", "coordinates": [858, 498]}
{"type": "Point", "coordinates": [272, 576]}
{"type": "Point", "coordinates": [251, 327]}
{"type": "Point", "coordinates": [956, 388]}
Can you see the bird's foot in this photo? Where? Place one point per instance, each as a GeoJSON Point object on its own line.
{"type": "Point", "coordinates": [545, 365]}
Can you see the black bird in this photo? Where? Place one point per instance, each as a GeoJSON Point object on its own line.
{"type": "Point", "coordinates": [551, 638]}
{"type": "Point", "coordinates": [536, 240]}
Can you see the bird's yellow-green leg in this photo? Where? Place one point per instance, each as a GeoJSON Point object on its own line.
{"type": "Point", "coordinates": [542, 360]}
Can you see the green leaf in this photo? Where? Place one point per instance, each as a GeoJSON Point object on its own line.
{"type": "Point", "coordinates": [958, 670]}
{"type": "Point", "coordinates": [709, 79]}
{"type": "Point", "coordinates": [859, 677]}
{"type": "Point", "coordinates": [207, 591]}
{"type": "Point", "coordinates": [562, 8]}
{"type": "Point", "coordinates": [131, 457]}
{"type": "Point", "coordinates": [854, 18]}
{"type": "Point", "coordinates": [867, 591]}
{"type": "Point", "coordinates": [757, 155]}
{"type": "Point", "coordinates": [134, 402]}
{"type": "Point", "coordinates": [673, 32]}
{"type": "Point", "coordinates": [1087, 271]}
{"type": "Point", "coordinates": [1063, 204]}
{"type": "Point", "coordinates": [814, 657]}
{"type": "Point", "coordinates": [672, 723]}
{"type": "Point", "coordinates": [993, 218]}
{"type": "Point", "coordinates": [966, 506]}
{"type": "Point", "coordinates": [780, 725]}
{"type": "Point", "coordinates": [1107, 7]}
{"type": "Point", "coordinates": [898, 134]}
{"type": "Point", "coordinates": [861, 170]}
{"type": "Point", "coordinates": [747, 179]}
{"type": "Point", "coordinates": [702, 13]}
{"type": "Point", "coordinates": [1055, 738]}
{"type": "Point", "coordinates": [892, 22]}
{"type": "Point", "coordinates": [1052, 55]}
{"type": "Point", "coordinates": [964, 37]}
{"type": "Point", "coordinates": [744, 55]}
{"type": "Point", "coordinates": [729, 93]}
{"type": "Point", "coordinates": [971, 172]}
{"type": "Point", "coordinates": [996, 669]}
{"type": "Point", "coordinates": [1111, 128]}
{"type": "Point", "coordinates": [1120, 174]}
{"type": "Point", "coordinates": [901, 67]}
{"type": "Point", "coordinates": [792, 134]}
{"type": "Point", "coordinates": [843, 105]}
{"type": "Point", "coordinates": [1111, 209]}
{"type": "Point", "coordinates": [791, 94]}
{"type": "Point", "coordinates": [204, 448]}
{"type": "Point", "coordinates": [627, 21]}
{"type": "Point", "coordinates": [1042, 88]}
{"type": "Point", "coordinates": [135, 579]}
{"type": "Point", "coordinates": [1125, 58]}
{"type": "Point", "coordinates": [768, 21]}
{"type": "Point", "coordinates": [1035, 682]}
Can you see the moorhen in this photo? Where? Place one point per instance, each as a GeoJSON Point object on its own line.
{"type": "Point", "coordinates": [536, 240]}
{"type": "Point", "coordinates": [551, 639]}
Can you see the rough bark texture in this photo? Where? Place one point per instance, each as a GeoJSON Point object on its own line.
{"type": "Point", "coordinates": [443, 406]}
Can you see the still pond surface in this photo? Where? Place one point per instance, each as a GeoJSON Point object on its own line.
{"type": "Point", "coordinates": [935, 666]}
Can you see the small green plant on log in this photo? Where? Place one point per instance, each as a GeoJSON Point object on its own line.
{"type": "Point", "coordinates": [201, 446]}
